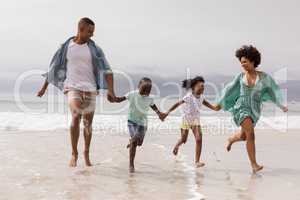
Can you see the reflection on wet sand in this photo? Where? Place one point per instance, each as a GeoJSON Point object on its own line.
{"type": "Point", "coordinates": [44, 174]}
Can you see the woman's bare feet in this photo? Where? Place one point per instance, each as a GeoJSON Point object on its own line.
{"type": "Point", "coordinates": [87, 159]}
{"type": "Point", "coordinates": [199, 164]}
{"type": "Point", "coordinates": [175, 150]}
{"type": "Point", "coordinates": [131, 169]}
{"type": "Point", "coordinates": [230, 142]}
{"type": "Point", "coordinates": [256, 168]}
{"type": "Point", "coordinates": [73, 161]}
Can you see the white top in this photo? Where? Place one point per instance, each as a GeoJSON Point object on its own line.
{"type": "Point", "coordinates": [191, 107]}
{"type": "Point", "coordinates": [246, 81]}
{"type": "Point", "coordinates": [80, 73]}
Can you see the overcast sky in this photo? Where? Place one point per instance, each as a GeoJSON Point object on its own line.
{"type": "Point", "coordinates": [154, 36]}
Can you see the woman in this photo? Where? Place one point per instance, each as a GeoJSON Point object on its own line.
{"type": "Point", "coordinates": [243, 97]}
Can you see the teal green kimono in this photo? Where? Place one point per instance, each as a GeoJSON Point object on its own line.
{"type": "Point", "coordinates": [246, 101]}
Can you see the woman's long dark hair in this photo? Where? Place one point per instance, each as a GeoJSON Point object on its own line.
{"type": "Point", "coordinates": [190, 83]}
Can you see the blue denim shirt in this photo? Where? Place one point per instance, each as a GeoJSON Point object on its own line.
{"type": "Point", "coordinates": [58, 66]}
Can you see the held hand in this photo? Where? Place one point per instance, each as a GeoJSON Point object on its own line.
{"type": "Point", "coordinates": [41, 92]}
{"type": "Point", "coordinates": [162, 116]}
{"type": "Point", "coordinates": [217, 107]}
{"type": "Point", "coordinates": [119, 99]}
{"type": "Point", "coordinates": [284, 108]}
{"type": "Point", "coordinates": [111, 97]}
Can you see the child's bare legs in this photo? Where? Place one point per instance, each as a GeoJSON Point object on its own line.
{"type": "Point", "coordinates": [87, 121]}
{"type": "Point", "coordinates": [198, 138]}
{"type": "Point", "coordinates": [247, 128]}
{"type": "Point", "coordinates": [74, 130]}
{"type": "Point", "coordinates": [132, 151]}
{"type": "Point", "coordinates": [239, 136]}
{"type": "Point", "coordinates": [182, 140]}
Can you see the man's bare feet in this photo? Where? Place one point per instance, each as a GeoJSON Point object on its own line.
{"type": "Point", "coordinates": [256, 168]}
{"type": "Point", "coordinates": [73, 161]}
{"type": "Point", "coordinates": [131, 169]}
{"type": "Point", "coordinates": [175, 150]}
{"type": "Point", "coordinates": [87, 159]}
{"type": "Point", "coordinates": [230, 142]}
{"type": "Point", "coordinates": [199, 164]}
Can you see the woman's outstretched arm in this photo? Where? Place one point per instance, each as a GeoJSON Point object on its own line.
{"type": "Point", "coordinates": [230, 94]}
{"type": "Point", "coordinates": [273, 93]}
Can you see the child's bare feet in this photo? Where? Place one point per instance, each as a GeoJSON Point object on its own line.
{"type": "Point", "coordinates": [131, 169]}
{"type": "Point", "coordinates": [199, 164]}
{"type": "Point", "coordinates": [73, 161]}
{"type": "Point", "coordinates": [175, 150]}
{"type": "Point", "coordinates": [256, 168]}
{"type": "Point", "coordinates": [87, 159]}
{"type": "Point", "coordinates": [230, 142]}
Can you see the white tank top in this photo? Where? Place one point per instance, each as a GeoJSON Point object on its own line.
{"type": "Point", "coordinates": [80, 74]}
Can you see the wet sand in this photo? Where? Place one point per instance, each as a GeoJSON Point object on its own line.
{"type": "Point", "coordinates": [34, 165]}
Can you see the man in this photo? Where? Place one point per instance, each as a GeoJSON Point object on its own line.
{"type": "Point", "coordinates": [79, 68]}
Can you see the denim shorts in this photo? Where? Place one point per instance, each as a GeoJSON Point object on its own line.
{"type": "Point", "coordinates": [137, 132]}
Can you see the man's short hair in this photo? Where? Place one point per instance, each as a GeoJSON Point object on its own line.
{"type": "Point", "coordinates": [145, 79]}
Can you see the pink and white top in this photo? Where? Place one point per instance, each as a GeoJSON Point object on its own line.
{"type": "Point", "coordinates": [191, 107]}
